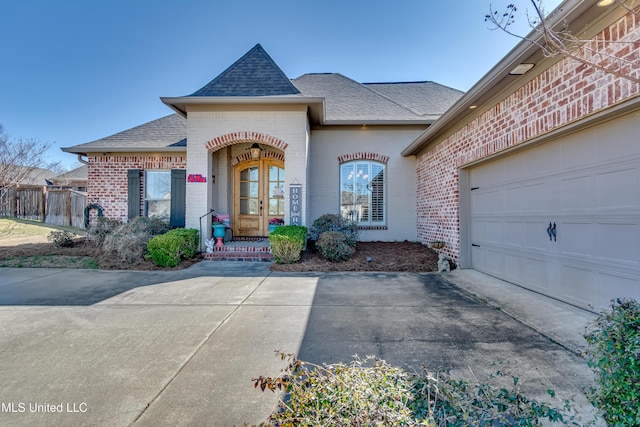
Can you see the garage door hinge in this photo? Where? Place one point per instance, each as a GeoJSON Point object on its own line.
{"type": "Point", "coordinates": [474, 188]}
{"type": "Point", "coordinates": [473, 244]}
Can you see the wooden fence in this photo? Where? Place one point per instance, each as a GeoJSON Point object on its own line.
{"type": "Point", "coordinates": [26, 202]}
{"type": "Point", "coordinates": [65, 207]}
{"type": "Point", "coordinates": [39, 203]}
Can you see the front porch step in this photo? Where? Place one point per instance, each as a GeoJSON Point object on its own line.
{"type": "Point", "coordinates": [241, 251]}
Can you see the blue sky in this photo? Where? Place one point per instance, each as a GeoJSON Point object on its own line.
{"type": "Point", "coordinates": [76, 71]}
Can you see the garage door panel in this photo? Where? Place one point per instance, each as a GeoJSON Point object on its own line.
{"type": "Point", "coordinates": [515, 234]}
{"type": "Point", "coordinates": [613, 285]}
{"type": "Point", "coordinates": [488, 202]}
{"type": "Point", "coordinates": [579, 285]}
{"type": "Point", "coordinates": [616, 139]}
{"type": "Point", "coordinates": [513, 200]}
{"type": "Point", "coordinates": [578, 151]}
{"type": "Point", "coordinates": [513, 266]}
{"type": "Point", "coordinates": [617, 189]}
{"type": "Point", "coordinates": [588, 184]}
{"type": "Point", "coordinates": [494, 262]}
{"type": "Point", "coordinates": [538, 197]}
{"type": "Point", "coordinates": [548, 159]}
{"type": "Point", "coordinates": [495, 232]}
{"type": "Point", "coordinates": [576, 193]}
{"type": "Point", "coordinates": [575, 239]}
{"type": "Point", "coordinates": [534, 274]}
{"type": "Point", "coordinates": [478, 231]}
{"type": "Point", "coordinates": [618, 243]}
{"type": "Point", "coordinates": [537, 237]}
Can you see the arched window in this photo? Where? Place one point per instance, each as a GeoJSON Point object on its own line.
{"type": "Point", "coordinates": [363, 193]}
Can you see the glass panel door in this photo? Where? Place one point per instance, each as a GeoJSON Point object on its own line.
{"type": "Point", "coordinates": [259, 192]}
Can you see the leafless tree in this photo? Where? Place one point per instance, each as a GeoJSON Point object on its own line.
{"type": "Point", "coordinates": [559, 41]}
{"type": "Point", "coordinates": [18, 159]}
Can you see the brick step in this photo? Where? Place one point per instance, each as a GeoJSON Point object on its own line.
{"type": "Point", "coordinates": [240, 253]}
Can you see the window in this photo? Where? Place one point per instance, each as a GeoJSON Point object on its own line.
{"type": "Point", "coordinates": [362, 192]}
{"type": "Point", "coordinates": [157, 194]}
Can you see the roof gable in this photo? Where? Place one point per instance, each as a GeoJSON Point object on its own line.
{"type": "Point", "coordinates": [255, 74]}
{"type": "Point", "coordinates": [350, 101]}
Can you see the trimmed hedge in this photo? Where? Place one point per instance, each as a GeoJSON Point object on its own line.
{"type": "Point", "coordinates": [166, 250]}
{"type": "Point", "coordinates": [335, 246]}
{"type": "Point", "coordinates": [287, 243]}
{"type": "Point", "coordinates": [332, 222]}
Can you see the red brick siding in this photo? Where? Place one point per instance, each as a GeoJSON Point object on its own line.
{"type": "Point", "coordinates": [236, 137]}
{"type": "Point", "coordinates": [564, 93]}
{"type": "Point", "coordinates": [107, 185]}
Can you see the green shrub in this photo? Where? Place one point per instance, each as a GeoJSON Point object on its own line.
{"type": "Point", "coordinates": [331, 222]}
{"type": "Point", "coordinates": [335, 246]}
{"type": "Point", "coordinates": [61, 238]}
{"type": "Point", "coordinates": [102, 228]}
{"type": "Point", "coordinates": [613, 352]}
{"type": "Point", "coordinates": [287, 243]}
{"type": "Point", "coordinates": [370, 392]}
{"type": "Point", "coordinates": [128, 242]}
{"type": "Point", "coordinates": [166, 250]}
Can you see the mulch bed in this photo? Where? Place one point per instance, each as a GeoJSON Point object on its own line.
{"type": "Point", "coordinates": [385, 256]}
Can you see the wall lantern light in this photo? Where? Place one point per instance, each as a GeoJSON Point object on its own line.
{"type": "Point", "coordinates": [255, 151]}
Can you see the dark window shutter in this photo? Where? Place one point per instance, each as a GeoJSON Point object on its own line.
{"type": "Point", "coordinates": [133, 194]}
{"type": "Point", "coordinates": [178, 197]}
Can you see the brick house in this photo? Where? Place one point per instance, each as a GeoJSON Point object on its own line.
{"type": "Point", "coordinates": [251, 139]}
{"type": "Point", "coordinates": [534, 177]}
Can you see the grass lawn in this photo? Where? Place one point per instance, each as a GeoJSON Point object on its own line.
{"type": "Point", "coordinates": [18, 233]}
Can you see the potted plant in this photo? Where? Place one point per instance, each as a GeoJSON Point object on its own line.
{"type": "Point", "coordinates": [275, 222]}
{"type": "Point", "coordinates": [218, 229]}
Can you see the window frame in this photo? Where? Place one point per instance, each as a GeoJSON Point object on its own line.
{"type": "Point", "coordinates": [146, 199]}
{"type": "Point", "coordinates": [370, 205]}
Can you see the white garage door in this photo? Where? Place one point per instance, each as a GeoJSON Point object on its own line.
{"type": "Point", "coordinates": [588, 186]}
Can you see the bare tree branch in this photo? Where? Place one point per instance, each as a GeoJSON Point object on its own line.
{"type": "Point", "coordinates": [598, 54]}
{"type": "Point", "coordinates": [18, 159]}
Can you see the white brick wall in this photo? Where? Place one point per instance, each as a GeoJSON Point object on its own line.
{"type": "Point", "coordinates": [330, 143]}
{"type": "Point", "coordinates": [288, 126]}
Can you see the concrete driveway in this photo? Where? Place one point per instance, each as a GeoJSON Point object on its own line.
{"type": "Point", "coordinates": [118, 348]}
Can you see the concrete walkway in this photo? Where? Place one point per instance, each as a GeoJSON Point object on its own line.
{"type": "Point", "coordinates": [122, 348]}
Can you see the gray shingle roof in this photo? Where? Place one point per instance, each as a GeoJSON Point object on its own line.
{"type": "Point", "coordinates": [255, 74]}
{"type": "Point", "coordinates": [77, 174]}
{"type": "Point", "coordinates": [166, 132]}
{"type": "Point", "coordinates": [424, 98]}
{"type": "Point", "coordinates": [348, 100]}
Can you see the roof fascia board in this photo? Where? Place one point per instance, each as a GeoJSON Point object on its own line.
{"type": "Point", "coordinates": [179, 104]}
{"type": "Point", "coordinates": [104, 149]}
{"type": "Point", "coordinates": [369, 122]}
{"type": "Point", "coordinates": [566, 12]}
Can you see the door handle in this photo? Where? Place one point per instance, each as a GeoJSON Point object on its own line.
{"type": "Point", "coordinates": [260, 207]}
{"type": "Point", "coordinates": [551, 231]}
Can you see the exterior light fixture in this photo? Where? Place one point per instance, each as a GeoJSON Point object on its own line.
{"type": "Point", "coordinates": [521, 69]}
{"type": "Point", "coordinates": [255, 151]}
{"type": "Point", "coordinates": [604, 3]}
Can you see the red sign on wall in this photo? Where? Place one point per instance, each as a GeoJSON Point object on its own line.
{"type": "Point", "coordinates": [196, 177]}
